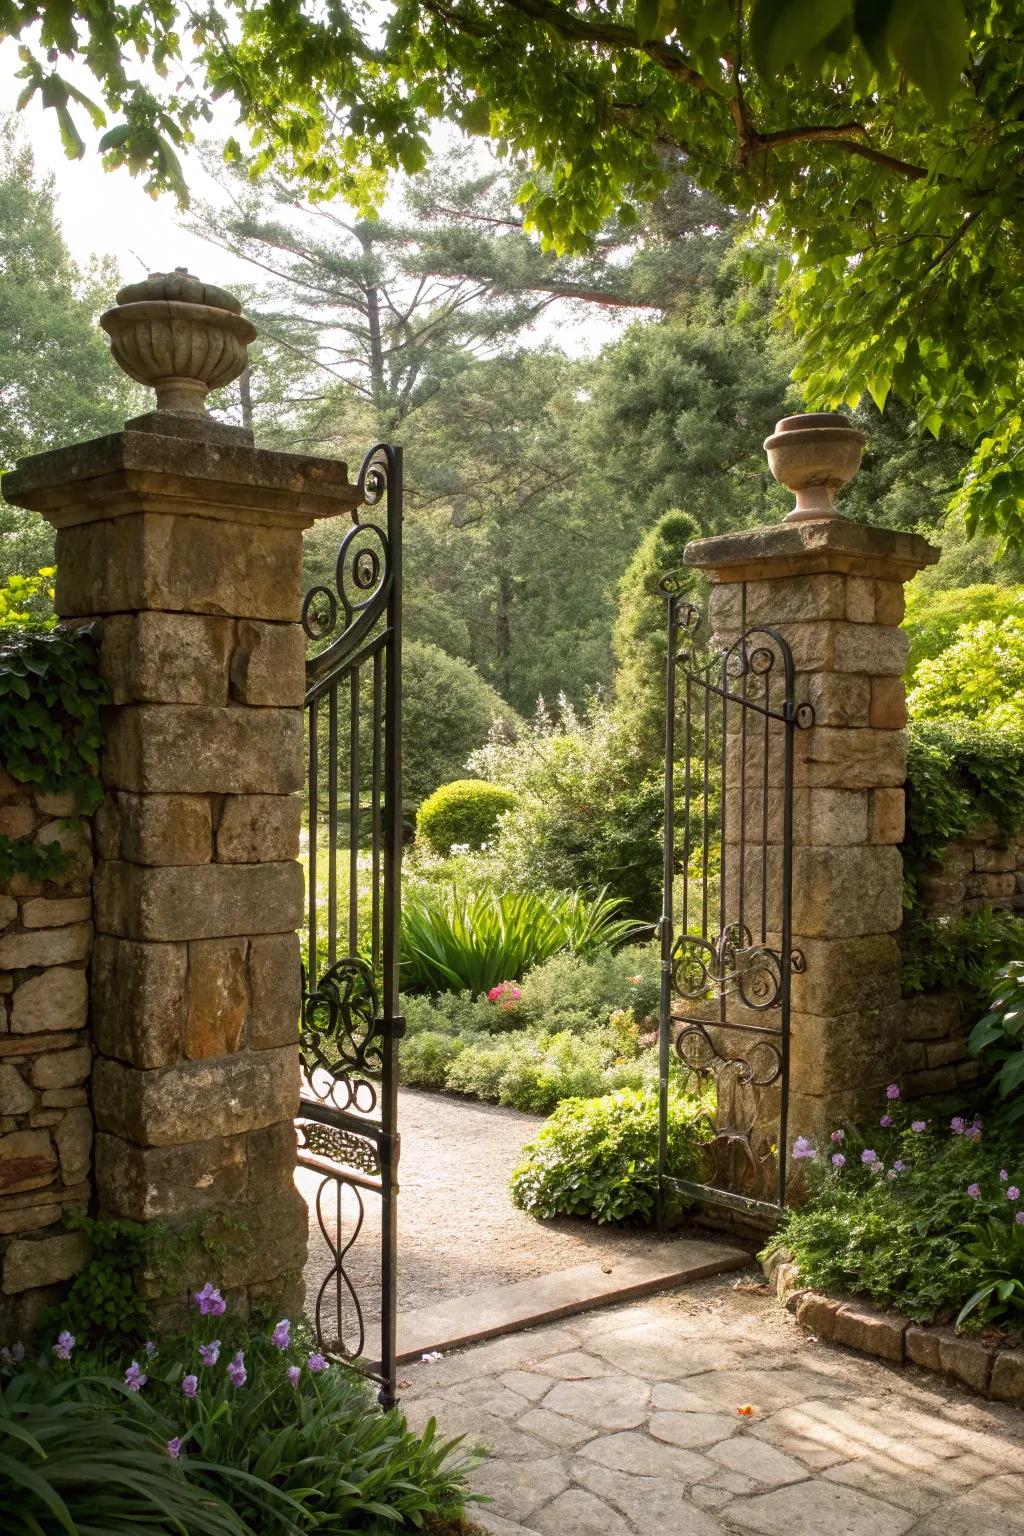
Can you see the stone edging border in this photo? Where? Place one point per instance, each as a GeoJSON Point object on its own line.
{"type": "Point", "coordinates": [986, 1368]}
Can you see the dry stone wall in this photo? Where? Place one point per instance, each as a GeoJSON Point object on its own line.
{"type": "Point", "coordinates": [977, 872]}
{"type": "Point", "coordinates": [46, 1125]}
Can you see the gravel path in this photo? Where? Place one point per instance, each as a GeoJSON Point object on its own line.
{"type": "Point", "coordinates": [458, 1230]}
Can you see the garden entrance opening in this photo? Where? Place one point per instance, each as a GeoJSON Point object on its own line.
{"type": "Point", "coordinates": [727, 955]}
{"type": "Point", "coordinates": [348, 1116]}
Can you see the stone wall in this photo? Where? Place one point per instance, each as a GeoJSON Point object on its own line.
{"type": "Point", "coordinates": [977, 872]}
{"type": "Point", "coordinates": [46, 1127]}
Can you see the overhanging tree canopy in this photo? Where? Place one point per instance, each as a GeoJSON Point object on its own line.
{"type": "Point", "coordinates": [884, 139]}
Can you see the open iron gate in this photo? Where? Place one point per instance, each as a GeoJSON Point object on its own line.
{"type": "Point", "coordinates": [726, 925]}
{"type": "Point", "coordinates": [348, 1115]}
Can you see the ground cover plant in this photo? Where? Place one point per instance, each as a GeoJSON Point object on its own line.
{"type": "Point", "coordinates": [918, 1212]}
{"type": "Point", "coordinates": [598, 1157]}
{"type": "Point", "coordinates": [574, 1025]}
{"type": "Point", "coordinates": [224, 1432]}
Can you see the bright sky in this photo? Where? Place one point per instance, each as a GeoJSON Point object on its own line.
{"type": "Point", "coordinates": [107, 213]}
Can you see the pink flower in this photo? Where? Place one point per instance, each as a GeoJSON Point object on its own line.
{"type": "Point", "coordinates": [958, 1125]}
{"type": "Point", "coordinates": [236, 1370]}
{"type": "Point", "coordinates": [174, 1448]}
{"type": "Point", "coordinates": [282, 1334]}
{"type": "Point", "coordinates": [1013, 1193]}
{"type": "Point", "coordinates": [893, 1091]}
{"type": "Point", "coordinates": [1019, 1218]}
{"type": "Point", "coordinates": [869, 1155]}
{"type": "Point", "coordinates": [190, 1385]}
{"type": "Point", "coordinates": [64, 1345]}
{"type": "Point", "coordinates": [294, 1372]}
{"type": "Point", "coordinates": [919, 1126]}
{"type": "Point", "coordinates": [317, 1362]}
{"type": "Point", "coordinates": [1003, 1175]}
{"type": "Point", "coordinates": [838, 1160]}
{"type": "Point", "coordinates": [885, 1122]}
{"type": "Point", "coordinates": [136, 1377]}
{"type": "Point", "coordinates": [635, 981]}
{"type": "Point", "coordinates": [838, 1137]}
{"type": "Point", "coordinates": [209, 1354]}
{"type": "Point", "coordinates": [210, 1301]}
{"type": "Point", "coordinates": [974, 1190]}
{"type": "Point", "coordinates": [803, 1150]}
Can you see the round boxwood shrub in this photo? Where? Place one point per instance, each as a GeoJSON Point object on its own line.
{"type": "Point", "coordinates": [464, 813]}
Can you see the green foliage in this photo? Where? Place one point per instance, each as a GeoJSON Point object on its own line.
{"type": "Point", "coordinates": [534, 1072]}
{"type": "Point", "coordinates": [103, 1303]}
{"type": "Point", "coordinates": [447, 711]}
{"type": "Point", "coordinates": [935, 620]}
{"type": "Point", "coordinates": [980, 675]}
{"type": "Point", "coordinates": [917, 1236]}
{"type": "Point", "coordinates": [426, 1056]}
{"type": "Point", "coordinates": [465, 813]}
{"type": "Point", "coordinates": [960, 774]}
{"type": "Point", "coordinates": [598, 1157]}
{"type": "Point", "coordinates": [588, 814]}
{"type": "Point", "coordinates": [960, 954]}
{"type": "Point", "coordinates": [998, 1038]}
{"type": "Point", "coordinates": [26, 602]}
{"type": "Point", "coordinates": [472, 941]}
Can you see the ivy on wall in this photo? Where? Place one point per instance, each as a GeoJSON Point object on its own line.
{"type": "Point", "coordinates": [960, 775]}
{"type": "Point", "coordinates": [50, 729]}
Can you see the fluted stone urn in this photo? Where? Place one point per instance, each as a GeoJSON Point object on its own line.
{"type": "Point", "coordinates": [181, 336]}
{"type": "Point", "coordinates": [814, 455]}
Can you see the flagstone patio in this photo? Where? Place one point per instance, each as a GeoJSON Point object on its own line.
{"type": "Point", "coordinates": [708, 1411]}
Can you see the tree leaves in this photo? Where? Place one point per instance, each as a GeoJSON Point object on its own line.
{"type": "Point", "coordinates": [929, 39]}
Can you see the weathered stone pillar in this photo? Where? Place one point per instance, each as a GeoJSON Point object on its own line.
{"type": "Point", "coordinates": [833, 589]}
{"type": "Point", "coordinates": [184, 541]}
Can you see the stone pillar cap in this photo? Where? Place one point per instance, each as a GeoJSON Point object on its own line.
{"type": "Point", "coordinates": [811, 547]}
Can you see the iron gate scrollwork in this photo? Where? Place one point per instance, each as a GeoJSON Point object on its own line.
{"type": "Point", "coordinates": [726, 925]}
{"type": "Point", "coordinates": [350, 1026]}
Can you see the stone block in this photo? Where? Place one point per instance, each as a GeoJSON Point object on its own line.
{"type": "Point", "coordinates": [922, 1347]}
{"type": "Point", "coordinates": [75, 841]}
{"type": "Point", "coordinates": [887, 818]}
{"type": "Point", "coordinates": [845, 975]}
{"type": "Point", "coordinates": [202, 749]}
{"type": "Point", "coordinates": [995, 860]}
{"type": "Point", "coordinates": [888, 711]}
{"type": "Point", "coordinates": [178, 563]}
{"type": "Point", "coordinates": [856, 758]}
{"type": "Point", "coordinates": [921, 1085]}
{"type": "Point", "coordinates": [941, 893]}
{"type": "Point", "coordinates": [27, 1160]}
{"type": "Point", "coordinates": [826, 818]}
{"type": "Point", "coordinates": [275, 979]}
{"type": "Point", "coordinates": [166, 658]}
{"type": "Point", "coordinates": [16, 1097]}
{"type": "Point", "coordinates": [818, 1313]}
{"type": "Point", "coordinates": [268, 665]}
{"type": "Point", "coordinates": [64, 1098]}
{"type": "Point", "coordinates": [932, 1016]}
{"type": "Point", "coordinates": [28, 1219]}
{"type": "Point", "coordinates": [879, 650]}
{"type": "Point", "coordinates": [32, 1262]}
{"type": "Point", "coordinates": [154, 1183]}
{"type": "Point", "coordinates": [259, 829]}
{"type": "Point", "coordinates": [847, 892]}
{"type": "Point", "coordinates": [29, 1045]}
{"type": "Point", "coordinates": [217, 1001]}
{"type": "Point", "coordinates": [74, 1144]}
{"type": "Point", "coordinates": [17, 820]}
{"type": "Point", "coordinates": [155, 829]}
{"type": "Point", "coordinates": [1007, 1384]}
{"type": "Point", "coordinates": [890, 602]}
{"type": "Point", "coordinates": [272, 1241]}
{"type": "Point", "coordinates": [196, 1100]}
{"type": "Point", "coordinates": [853, 1053]}
{"type": "Point", "coordinates": [944, 1053]}
{"type": "Point", "coordinates": [62, 1069]}
{"type": "Point", "coordinates": [8, 910]}
{"type": "Point", "coordinates": [991, 887]}
{"type": "Point", "coordinates": [42, 912]}
{"type": "Point", "coordinates": [860, 1326]}
{"type": "Point", "coordinates": [61, 803]}
{"type": "Point", "coordinates": [838, 699]}
{"type": "Point", "coordinates": [201, 901]}
{"type": "Point", "coordinates": [45, 946]}
{"type": "Point", "coordinates": [860, 600]}
{"type": "Point", "coordinates": [966, 1360]}
{"type": "Point", "coordinates": [138, 1000]}
{"type": "Point", "coordinates": [271, 1160]}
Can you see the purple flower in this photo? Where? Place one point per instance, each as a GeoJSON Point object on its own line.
{"type": "Point", "coordinates": [893, 1091]}
{"type": "Point", "coordinates": [17, 1352]}
{"type": "Point", "coordinates": [209, 1354]}
{"type": "Point", "coordinates": [869, 1155]}
{"type": "Point", "coordinates": [838, 1137]}
{"type": "Point", "coordinates": [190, 1385]}
{"type": "Point", "coordinates": [210, 1301]}
{"type": "Point", "coordinates": [919, 1125]}
{"type": "Point", "coordinates": [1019, 1218]}
{"type": "Point", "coordinates": [236, 1370]}
{"type": "Point", "coordinates": [974, 1190]}
{"type": "Point", "coordinates": [898, 1166]}
{"type": "Point", "coordinates": [958, 1125]}
{"type": "Point", "coordinates": [174, 1448]}
{"type": "Point", "coordinates": [294, 1372]}
{"type": "Point", "coordinates": [150, 1349]}
{"type": "Point", "coordinates": [64, 1345]}
{"type": "Point", "coordinates": [973, 1133]}
{"type": "Point", "coordinates": [838, 1160]}
{"type": "Point", "coordinates": [1003, 1175]}
{"type": "Point", "coordinates": [885, 1122]}
{"type": "Point", "coordinates": [282, 1334]}
{"type": "Point", "coordinates": [1013, 1193]}
{"type": "Point", "coordinates": [136, 1377]}
{"type": "Point", "coordinates": [802, 1149]}
{"type": "Point", "coordinates": [317, 1362]}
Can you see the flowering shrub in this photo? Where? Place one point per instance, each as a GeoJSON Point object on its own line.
{"type": "Point", "coordinates": [923, 1215]}
{"type": "Point", "coordinates": [233, 1430]}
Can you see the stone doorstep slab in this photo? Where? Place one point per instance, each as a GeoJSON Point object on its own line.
{"type": "Point", "coordinates": [505, 1309]}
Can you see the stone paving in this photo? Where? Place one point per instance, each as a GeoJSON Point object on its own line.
{"type": "Point", "coordinates": [627, 1422]}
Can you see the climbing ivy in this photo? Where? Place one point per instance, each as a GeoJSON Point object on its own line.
{"type": "Point", "coordinates": [50, 728]}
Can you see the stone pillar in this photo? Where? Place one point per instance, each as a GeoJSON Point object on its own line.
{"type": "Point", "coordinates": [183, 541]}
{"type": "Point", "coordinates": [834, 590]}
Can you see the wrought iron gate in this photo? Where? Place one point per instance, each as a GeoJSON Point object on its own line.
{"type": "Point", "coordinates": [348, 1131]}
{"type": "Point", "coordinates": [726, 925]}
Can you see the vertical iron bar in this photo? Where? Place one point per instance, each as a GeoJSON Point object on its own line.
{"type": "Point", "coordinates": [786, 943]}
{"type": "Point", "coordinates": [764, 807]}
{"type": "Point", "coordinates": [667, 903]}
{"type": "Point", "coordinates": [312, 964]}
{"type": "Point", "coordinates": [332, 825]}
{"type": "Point", "coordinates": [705, 844]}
{"type": "Point", "coordinates": [743, 764]}
{"type": "Point", "coordinates": [724, 844]}
{"type": "Point", "coordinates": [688, 748]}
{"type": "Point", "coordinates": [353, 816]}
{"type": "Point", "coordinates": [378, 726]}
{"type": "Point", "coordinates": [391, 1023]}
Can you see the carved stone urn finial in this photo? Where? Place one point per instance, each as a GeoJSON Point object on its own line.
{"type": "Point", "coordinates": [181, 336]}
{"type": "Point", "coordinates": [814, 455]}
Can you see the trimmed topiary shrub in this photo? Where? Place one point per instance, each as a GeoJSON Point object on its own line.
{"type": "Point", "coordinates": [462, 814]}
